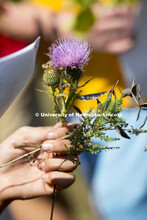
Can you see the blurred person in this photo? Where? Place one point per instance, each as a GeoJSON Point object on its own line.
{"type": "Point", "coordinates": [110, 35]}
{"type": "Point", "coordinates": [24, 21]}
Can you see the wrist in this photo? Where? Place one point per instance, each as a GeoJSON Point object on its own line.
{"type": "Point", "coordinates": [46, 24]}
{"type": "Point", "coordinates": [64, 24]}
{"type": "Point", "coordinates": [6, 195]}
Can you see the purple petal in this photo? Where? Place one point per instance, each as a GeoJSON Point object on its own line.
{"type": "Point", "coordinates": [72, 52]}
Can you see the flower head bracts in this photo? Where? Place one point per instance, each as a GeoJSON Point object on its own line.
{"type": "Point", "coordinates": [72, 52]}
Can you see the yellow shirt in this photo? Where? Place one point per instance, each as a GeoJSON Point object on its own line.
{"type": "Point", "coordinates": [103, 67]}
{"type": "Point", "coordinates": [54, 5]}
{"type": "Point", "coordinates": [105, 70]}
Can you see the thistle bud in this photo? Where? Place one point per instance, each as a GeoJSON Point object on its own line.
{"type": "Point", "coordinates": [74, 73]}
{"type": "Point", "coordinates": [51, 77]}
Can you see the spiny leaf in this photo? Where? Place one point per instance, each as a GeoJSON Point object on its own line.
{"type": "Point", "coordinates": [144, 106]}
{"type": "Point", "coordinates": [86, 82]}
{"type": "Point", "coordinates": [138, 115]}
{"type": "Point", "coordinates": [121, 132]}
{"type": "Point", "coordinates": [91, 96]}
{"type": "Point", "coordinates": [98, 101]}
{"type": "Point", "coordinates": [114, 93]}
{"type": "Point", "coordinates": [127, 92]}
{"type": "Point", "coordinates": [136, 93]}
{"type": "Point", "coordinates": [77, 109]}
{"type": "Point", "coordinates": [144, 123]}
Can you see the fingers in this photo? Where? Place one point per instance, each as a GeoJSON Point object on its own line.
{"type": "Point", "coordinates": [120, 46]}
{"type": "Point", "coordinates": [31, 135]}
{"type": "Point", "coordinates": [117, 41]}
{"type": "Point", "coordinates": [55, 143]}
{"type": "Point", "coordinates": [111, 12]}
{"type": "Point", "coordinates": [36, 135]}
{"type": "Point", "coordinates": [60, 179]}
{"type": "Point", "coordinates": [113, 24]}
{"type": "Point", "coordinates": [57, 164]}
{"type": "Point", "coordinates": [60, 132]}
{"type": "Point", "coordinates": [56, 146]}
{"type": "Point", "coordinates": [52, 165]}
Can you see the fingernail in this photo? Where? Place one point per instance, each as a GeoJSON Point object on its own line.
{"type": "Point", "coordinates": [47, 146]}
{"type": "Point", "coordinates": [52, 135]}
{"type": "Point", "coordinates": [44, 176]}
{"type": "Point", "coordinates": [41, 165]}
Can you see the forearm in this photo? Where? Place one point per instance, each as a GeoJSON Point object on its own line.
{"type": "Point", "coordinates": [5, 197]}
{"type": "Point", "coordinates": [26, 21]}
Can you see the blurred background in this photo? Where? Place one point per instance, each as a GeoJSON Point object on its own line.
{"type": "Point", "coordinates": [107, 26]}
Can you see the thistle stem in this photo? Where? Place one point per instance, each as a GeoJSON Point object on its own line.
{"type": "Point", "coordinates": [33, 146]}
{"type": "Point", "coordinates": [53, 201]}
{"type": "Point", "coordinates": [32, 152]}
{"type": "Point", "coordinates": [21, 157]}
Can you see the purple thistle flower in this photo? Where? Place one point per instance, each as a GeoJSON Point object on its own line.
{"type": "Point", "coordinates": [69, 52]}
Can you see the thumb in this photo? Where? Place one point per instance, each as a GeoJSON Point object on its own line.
{"type": "Point", "coordinates": [29, 135]}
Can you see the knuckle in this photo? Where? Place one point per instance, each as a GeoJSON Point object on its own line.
{"type": "Point", "coordinates": [51, 177]}
{"type": "Point", "coordinates": [23, 131]}
{"type": "Point", "coordinates": [48, 165]}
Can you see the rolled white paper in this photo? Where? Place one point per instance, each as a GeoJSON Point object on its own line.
{"type": "Point", "coordinates": [15, 71]}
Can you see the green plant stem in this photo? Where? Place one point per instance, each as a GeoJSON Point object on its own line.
{"type": "Point", "coordinates": [21, 157]}
{"type": "Point", "coordinates": [32, 152]}
{"type": "Point", "coordinates": [60, 94]}
{"type": "Point", "coordinates": [53, 201]}
{"type": "Point", "coordinates": [72, 91]}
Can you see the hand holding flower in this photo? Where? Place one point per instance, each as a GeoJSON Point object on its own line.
{"type": "Point", "coordinates": [22, 180]}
